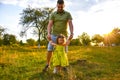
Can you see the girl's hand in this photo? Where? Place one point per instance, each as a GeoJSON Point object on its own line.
{"type": "Point", "coordinates": [52, 43]}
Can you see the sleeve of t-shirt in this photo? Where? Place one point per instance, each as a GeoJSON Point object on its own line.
{"type": "Point", "coordinates": [51, 16]}
{"type": "Point", "coordinates": [69, 16]}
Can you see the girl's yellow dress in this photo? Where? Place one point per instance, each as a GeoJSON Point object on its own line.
{"type": "Point", "coordinates": [59, 56]}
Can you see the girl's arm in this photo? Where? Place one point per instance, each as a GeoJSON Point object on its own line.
{"type": "Point", "coordinates": [52, 43]}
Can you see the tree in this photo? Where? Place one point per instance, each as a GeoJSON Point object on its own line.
{"type": "Point", "coordinates": [21, 43]}
{"type": "Point", "coordinates": [116, 33]}
{"type": "Point", "coordinates": [37, 19]}
{"type": "Point", "coordinates": [2, 30]}
{"type": "Point", "coordinates": [1, 42]}
{"type": "Point", "coordinates": [75, 42]}
{"type": "Point", "coordinates": [113, 37]}
{"type": "Point", "coordinates": [9, 39]}
{"type": "Point", "coordinates": [84, 39]}
{"type": "Point", "coordinates": [31, 42]}
{"type": "Point", "coordinates": [97, 38]}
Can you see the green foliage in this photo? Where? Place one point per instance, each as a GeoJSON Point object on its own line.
{"type": "Point", "coordinates": [97, 38]}
{"type": "Point", "coordinates": [21, 43]}
{"type": "Point", "coordinates": [84, 39]}
{"type": "Point", "coordinates": [75, 42]}
{"type": "Point", "coordinates": [43, 42]}
{"type": "Point", "coordinates": [31, 42]}
{"type": "Point", "coordinates": [113, 37]}
{"type": "Point", "coordinates": [9, 39]}
{"type": "Point", "coordinates": [1, 42]}
{"type": "Point", "coordinates": [116, 36]}
{"type": "Point", "coordinates": [86, 63]}
{"type": "Point", "coordinates": [37, 19]}
{"type": "Point", "coordinates": [2, 30]}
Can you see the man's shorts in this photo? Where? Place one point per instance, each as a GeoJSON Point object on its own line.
{"type": "Point", "coordinates": [50, 47]}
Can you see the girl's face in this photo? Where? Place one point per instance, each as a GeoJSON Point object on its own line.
{"type": "Point", "coordinates": [61, 41]}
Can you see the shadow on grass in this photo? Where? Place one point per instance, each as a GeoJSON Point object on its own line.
{"type": "Point", "coordinates": [72, 73]}
{"type": "Point", "coordinates": [46, 76]}
{"type": "Point", "coordinates": [78, 70]}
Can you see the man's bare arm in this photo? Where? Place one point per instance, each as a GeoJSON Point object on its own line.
{"type": "Point", "coordinates": [49, 29]}
{"type": "Point", "coordinates": [71, 28]}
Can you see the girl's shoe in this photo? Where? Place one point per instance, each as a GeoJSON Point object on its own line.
{"type": "Point", "coordinates": [65, 69]}
{"type": "Point", "coordinates": [55, 71]}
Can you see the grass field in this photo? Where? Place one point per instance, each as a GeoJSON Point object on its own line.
{"type": "Point", "coordinates": [86, 63]}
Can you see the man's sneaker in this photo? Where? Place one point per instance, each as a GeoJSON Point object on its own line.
{"type": "Point", "coordinates": [46, 68]}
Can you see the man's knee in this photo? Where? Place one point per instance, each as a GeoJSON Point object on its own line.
{"type": "Point", "coordinates": [49, 53]}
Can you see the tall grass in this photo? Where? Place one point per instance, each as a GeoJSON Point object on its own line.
{"type": "Point", "coordinates": [86, 63]}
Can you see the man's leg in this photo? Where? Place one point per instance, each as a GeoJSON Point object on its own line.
{"type": "Point", "coordinates": [49, 55]}
{"type": "Point", "coordinates": [50, 49]}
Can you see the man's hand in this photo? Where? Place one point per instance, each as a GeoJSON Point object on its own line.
{"type": "Point", "coordinates": [70, 37]}
{"type": "Point", "coordinates": [49, 37]}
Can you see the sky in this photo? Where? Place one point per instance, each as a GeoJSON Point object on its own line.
{"type": "Point", "coordinates": [90, 16]}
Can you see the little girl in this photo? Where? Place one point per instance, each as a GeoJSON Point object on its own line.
{"type": "Point", "coordinates": [59, 57]}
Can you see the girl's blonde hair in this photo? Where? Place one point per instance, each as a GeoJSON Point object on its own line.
{"type": "Point", "coordinates": [60, 36]}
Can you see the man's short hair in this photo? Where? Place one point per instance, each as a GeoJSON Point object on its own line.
{"type": "Point", "coordinates": [60, 2]}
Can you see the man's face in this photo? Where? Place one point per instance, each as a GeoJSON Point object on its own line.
{"type": "Point", "coordinates": [60, 7]}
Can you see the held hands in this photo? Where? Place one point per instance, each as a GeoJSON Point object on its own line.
{"type": "Point", "coordinates": [49, 37]}
{"type": "Point", "coordinates": [50, 40]}
{"type": "Point", "coordinates": [52, 43]}
{"type": "Point", "coordinates": [70, 37]}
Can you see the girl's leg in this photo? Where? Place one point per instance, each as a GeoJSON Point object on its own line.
{"type": "Point", "coordinates": [58, 68]}
{"type": "Point", "coordinates": [55, 70]}
{"type": "Point", "coordinates": [65, 69]}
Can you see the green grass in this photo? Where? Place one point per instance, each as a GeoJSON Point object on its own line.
{"type": "Point", "coordinates": [86, 63]}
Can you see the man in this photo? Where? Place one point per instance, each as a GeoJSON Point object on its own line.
{"type": "Point", "coordinates": [58, 25]}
